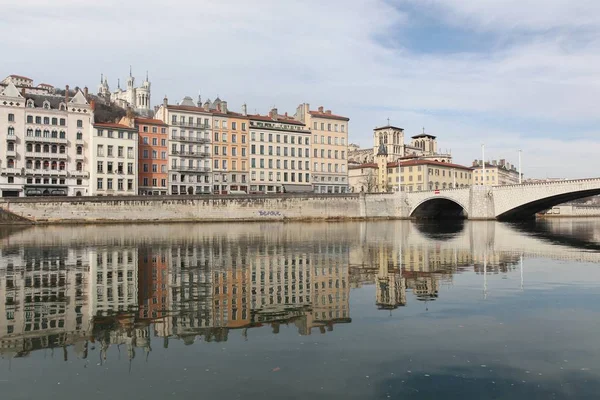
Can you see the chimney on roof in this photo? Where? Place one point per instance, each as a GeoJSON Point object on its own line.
{"type": "Point", "coordinates": [321, 109]}
{"type": "Point", "coordinates": [93, 105]}
{"type": "Point", "coordinates": [23, 91]}
{"type": "Point", "coordinates": [494, 162]}
{"type": "Point", "coordinates": [244, 109]}
{"type": "Point", "coordinates": [85, 92]}
{"type": "Point", "coordinates": [206, 106]}
{"type": "Point", "coordinates": [67, 94]}
{"type": "Point", "coordinates": [328, 112]}
{"type": "Point", "coordinates": [503, 162]}
{"type": "Point", "coordinates": [165, 104]}
{"type": "Point", "coordinates": [224, 106]}
{"type": "Point", "coordinates": [286, 114]}
{"type": "Point", "coordinates": [273, 113]}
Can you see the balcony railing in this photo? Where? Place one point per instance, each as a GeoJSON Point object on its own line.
{"type": "Point", "coordinates": [189, 125]}
{"type": "Point", "coordinates": [190, 139]}
{"type": "Point", "coordinates": [11, 171]}
{"type": "Point", "coordinates": [79, 174]}
{"type": "Point", "coordinates": [11, 138]}
{"type": "Point", "coordinates": [190, 169]}
{"type": "Point", "coordinates": [58, 156]}
{"type": "Point", "coordinates": [40, 139]}
{"type": "Point", "coordinates": [46, 172]}
{"type": "Point", "coordinates": [196, 154]}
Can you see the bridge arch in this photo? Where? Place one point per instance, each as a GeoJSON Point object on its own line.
{"type": "Point", "coordinates": [528, 210]}
{"type": "Point", "coordinates": [439, 207]}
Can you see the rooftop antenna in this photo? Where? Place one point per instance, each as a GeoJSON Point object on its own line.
{"type": "Point", "coordinates": [129, 70]}
{"type": "Point", "coordinates": [423, 130]}
{"type": "Point", "coordinates": [388, 120]}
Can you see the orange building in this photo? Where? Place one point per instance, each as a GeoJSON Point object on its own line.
{"type": "Point", "coordinates": [230, 150]}
{"type": "Point", "coordinates": [231, 304]}
{"type": "Point", "coordinates": [152, 155]}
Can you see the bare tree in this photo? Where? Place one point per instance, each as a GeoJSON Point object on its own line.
{"type": "Point", "coordinates": [369, 182]}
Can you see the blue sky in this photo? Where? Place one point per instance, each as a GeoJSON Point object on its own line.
{"type": "Point", "coordinates": [507, 73]}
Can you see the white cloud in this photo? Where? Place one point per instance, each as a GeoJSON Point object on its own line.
{"type": "Point", "coordinates": [270, 52]}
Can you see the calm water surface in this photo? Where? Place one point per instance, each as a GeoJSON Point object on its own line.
{"type": "Point", "coordinates": [301, 311]}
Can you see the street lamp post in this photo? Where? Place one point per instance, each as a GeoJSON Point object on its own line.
{"type": "Point", "coordinates": [483, 162]}
{"type": "Point", "coordinates": [520, 169]}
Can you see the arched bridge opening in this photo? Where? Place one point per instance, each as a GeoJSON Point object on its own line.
{"type": "Point", "coordinates": [529, 210]}
{"type": "Point", "coordinates": [439, 208]}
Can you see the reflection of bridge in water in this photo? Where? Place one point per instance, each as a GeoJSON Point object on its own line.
{"type": "Point", "coordinates": [95, 287]}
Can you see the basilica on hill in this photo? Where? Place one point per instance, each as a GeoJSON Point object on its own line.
{"type": "Point", "coordinates": [136, 98]}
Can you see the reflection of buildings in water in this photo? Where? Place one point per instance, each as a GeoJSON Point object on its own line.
{"type": "Point", "coordinates": [113, 279]}
{"type": "Point", "coordinates": [44, 293]}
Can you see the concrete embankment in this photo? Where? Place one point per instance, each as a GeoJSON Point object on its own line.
{"type": "Point", "coordinates": [204, 208]}
{"type": "Point", "coordinates": [571, 211]}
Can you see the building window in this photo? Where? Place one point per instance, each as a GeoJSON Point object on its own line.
{"type": "Point", "coordinates": [79, 123]}
{"type": "Point", "coordinates": [99, 183]}
{"type": "Point", "coordinates": [11, 118]}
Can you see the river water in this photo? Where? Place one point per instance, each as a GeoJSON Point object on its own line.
{"type": "Point", "coordinates": [360, 310]}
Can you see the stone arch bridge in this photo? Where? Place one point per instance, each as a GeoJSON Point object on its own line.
{"type": "Point", "coordinates": [510, 202]}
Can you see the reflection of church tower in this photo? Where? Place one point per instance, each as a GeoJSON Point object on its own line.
{"type": "Point", "coordinates": [391, 289]}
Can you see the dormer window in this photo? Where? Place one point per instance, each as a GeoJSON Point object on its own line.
{"type": "Point", "coordinates": [46, 105]}
{"type": "Point", "coordinates": [62, 107]}
{"type": "Point", "coordinates": [30, 104]}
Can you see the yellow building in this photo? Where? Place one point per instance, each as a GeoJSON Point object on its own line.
{"type": "Point", "coordinates": [496, 173]}
{"type": "Point", "coordinates": [362, 177]}
{"type": "Point", "coordinates": [329, 148]}
{"type": "Point", "coordinates": [230, 150]}
{"type": "Point", "coordinates": [408, 176]}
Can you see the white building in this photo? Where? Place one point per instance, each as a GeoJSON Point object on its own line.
{"type": "Point", "coordinates": [279, 154]}
{"type": "Point", "coordinates": [46, 138]}
{"type": "Point", "coordinates": [113, 152]}
{"type": "Point", "coordinates": [137, 98]}
{"type": "Point", "coordinates": [190, 132]}
{"type": "Point", "coordinates": [113, 280]}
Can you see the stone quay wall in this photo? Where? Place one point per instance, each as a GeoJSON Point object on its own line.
{"type": "Point", "coordinates": [571, 210]}
{"type": "Point", "coordinates": [202, 208]}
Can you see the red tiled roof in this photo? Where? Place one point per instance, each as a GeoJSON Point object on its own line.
{"type": "Point", "coordinates": [280, 118]}
{"type": "Point", "coordinates": [110, 125]}
{"type": "Point", "coordinates": [149, 121]}
{"type": "Point", "coordinates": [409, 164]}
{"type": "Point", "coordinates": [426, 162]}
{"type": "Point", "coordinates": [367, 165]}
{"type": "Point", "coordinates": [20, 76]}
{"type": "Point", "coordinates": [326, 115]}
{"type": "Point", "coordinates": [46, 84]}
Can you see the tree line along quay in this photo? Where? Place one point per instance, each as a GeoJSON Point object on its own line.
{"type": "Point", "coordinates": [115, 142]}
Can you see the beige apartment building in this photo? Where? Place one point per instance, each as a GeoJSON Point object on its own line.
{"type": "Point", "coordinates": [190, 132]}
{"type": "Point", "coordinates": [329, 148]}
{"type": "Point", "coordinates": [279, 154]}
{"type": "Point", "coordinates": [230, 150]}
{"type": "Point", "coordinates": [497, 173]}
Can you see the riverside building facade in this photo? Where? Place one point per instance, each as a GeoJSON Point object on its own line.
{"type": "Point", "coordinates": [190, 132]}
{"type": "Point", "coordinates": [279, 154]}
{"type": "Point", "coordinates": [152, 155]}
{"type": "Point", "coordinates": [46, 137]}
{"type": "Point", "coordinates": [329, 148]}
{"type": "Point", "coordinates": [114, 155]}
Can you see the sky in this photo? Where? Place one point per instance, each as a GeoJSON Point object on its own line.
{"type": "Point", "coordinates": [510, 74]}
